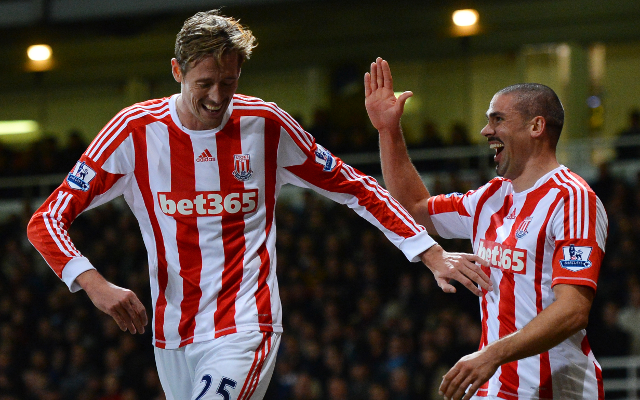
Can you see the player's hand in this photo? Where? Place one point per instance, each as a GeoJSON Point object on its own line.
{"type": "Point", "coordinates": [459, 266]}
{"type": "Point", "coordinates": [471, 372]}
{"type": "Point", "coordinates": [121, 304]}
{"type": "Point", "coordinates": [382, 106]}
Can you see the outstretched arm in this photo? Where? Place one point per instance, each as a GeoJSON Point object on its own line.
{"type": "Point", "coordinates": [563, 318]}
{"type": "Point", "coordinates": [400, 176]}
{"type": "Point", "coordinates": [404, 182]}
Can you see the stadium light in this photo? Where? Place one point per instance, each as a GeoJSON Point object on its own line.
{"type": "Point", "coordinates": [18, 127]}
{"type": "Point", "coordinates": [466, 17]}
{"type": "Point", "coordinates": [465, 23]}
{"type": "Point", "coordinates": [39, 52]}
{"type": "Point", "coordinates": [40, 58]}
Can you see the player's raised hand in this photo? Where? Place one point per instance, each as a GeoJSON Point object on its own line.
{"type": "Point", "coordinates": [382, 106]}
{"type": "Point", "coordinates": [121, 304]}
{"type": "Point", "coordinates": [459, 266]}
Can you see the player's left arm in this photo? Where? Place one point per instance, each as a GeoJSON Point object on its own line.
{"type": "Point", "coordinates": [564, 317]}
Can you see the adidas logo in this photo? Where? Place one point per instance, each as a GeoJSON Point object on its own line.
{"type": "Point", "coordinates": [512, 215]}
{"type": "Point", "coordinates": [205, 156]}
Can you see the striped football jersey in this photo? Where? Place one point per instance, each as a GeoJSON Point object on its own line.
{"type": "Point", "coordinates": [205, 204]}
{"type": "Point", "coordinates": [552, 233]}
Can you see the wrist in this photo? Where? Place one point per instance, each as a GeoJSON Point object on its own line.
{"type": "Point", "coordinates": [88, 279]}
{"type": "Point", "coordinates": [433, 253]}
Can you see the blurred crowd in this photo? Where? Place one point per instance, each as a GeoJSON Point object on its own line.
{"type": "Point", "coordinates": [361, 322]}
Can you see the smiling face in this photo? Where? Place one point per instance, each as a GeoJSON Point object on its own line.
{"type": "Point", "coordinates": [207, 89]}
{"type": "Point", "coordinates": [508, 133]}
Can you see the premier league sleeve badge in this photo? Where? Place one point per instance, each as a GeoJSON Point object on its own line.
{"type": "Point", "coordinates": [80, 176]}
{"type": "Point", "coordinates": [576, 258]}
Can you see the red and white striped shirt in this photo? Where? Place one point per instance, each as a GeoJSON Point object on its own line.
{"type": "Point", "coordinates": [552, 233]}
{"type": "Point", "coordinates": [205, 203]}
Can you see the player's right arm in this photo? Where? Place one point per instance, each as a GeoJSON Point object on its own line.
{"type": "Point", "coordinates": [400, 176]}
{"type": "Point", "coordinates": [93, 181]}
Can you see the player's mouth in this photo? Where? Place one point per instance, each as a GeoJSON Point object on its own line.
{"type": "Point", "coordinates": [213, 110]}
{"type": "Point", "coordinates": [498, 147]}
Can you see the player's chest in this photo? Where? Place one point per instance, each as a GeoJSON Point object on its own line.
{"type": "Point", "coordinates": [510, 236]}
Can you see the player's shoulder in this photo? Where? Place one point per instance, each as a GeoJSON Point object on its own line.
{"type": "Point", "coordinates": [142, 112]}
{"type": "Point", "coordinates": [255, 106]}
{"type": "Point", "coordinates": [569, 182]}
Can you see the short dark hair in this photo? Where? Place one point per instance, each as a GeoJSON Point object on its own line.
{"type": "Point", "coordinates": [535, 99]}
{"type": "Point", "coordinates": [211, 34]}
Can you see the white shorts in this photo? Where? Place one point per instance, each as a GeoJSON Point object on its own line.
{"type": "Point", "coordinates": [237, 366]}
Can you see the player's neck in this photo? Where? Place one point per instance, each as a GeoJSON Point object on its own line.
{"type": "Point", "coordinates": [533, 171]}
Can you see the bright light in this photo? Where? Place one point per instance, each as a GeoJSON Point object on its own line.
{"type": "Point", "coordinates": [18, 127]}
{"type": "Point", "coordinates": [467, 17]}
{"type": "Point", "coordinates": [39, 52]}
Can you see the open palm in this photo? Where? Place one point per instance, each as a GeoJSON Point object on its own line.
{"type": "Point", "coordinates": [382, 106]}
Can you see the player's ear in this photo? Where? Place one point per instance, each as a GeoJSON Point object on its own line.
{"type": "Point", "coordinates": [176, 71]}
{"type": "Point", "coordinates": [536, 127]}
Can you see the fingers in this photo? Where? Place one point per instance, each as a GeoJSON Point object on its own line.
{"type": "Point", "coordinates": [374, 76]}
{"type": "Point", "coordinates": [476, 273]}
{"type": "Point", "coordinates": [379, 72]}
{"type": "Point", "coordinates": [137, 315]}
{"type": "Point", "coordinates": [403, 99]}
{"type": "Point", "coordinates": [367, 85]}
{"type": "Point", "coordinates": [445, 285]}
{"type": "Point", "coordinates": [466, 282]}
{"type": "Point", "coordinates": [129, 314]}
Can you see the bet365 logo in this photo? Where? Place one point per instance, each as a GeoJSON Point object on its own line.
{"type": "Point", "coordinates": [504, 257]}
{"type": "Point", "coordinates": [208, 204]}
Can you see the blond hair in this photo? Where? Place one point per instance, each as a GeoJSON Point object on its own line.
{"type": "Point", "coordinates": [211, 34]}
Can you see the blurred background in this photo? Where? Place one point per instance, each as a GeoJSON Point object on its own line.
{"type": "Point", "coordinates": [360, 321]}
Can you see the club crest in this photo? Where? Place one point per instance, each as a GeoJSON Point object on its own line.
{"type": "Point", "coordinates": [522, 228]}
{"type": "Point", "coordinates": [325, 158]}
{"type": "Point", "coordinates": [576, 258]}
{"type": "Point", "coordinates": [242, 167]}
{"type": "Point", "coordinates": [80, 176]}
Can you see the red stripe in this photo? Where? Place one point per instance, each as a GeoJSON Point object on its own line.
{"type": "Point", "coordinates": [282, 115]}
{"type": "Point", "coordinates": [264, 354]}
{"type": "Point", "coordinates": [497, 220]}
{"type": "Point", "coordinates": [546, 384]}
{"type": "Point", "coordinates": [494, 186]}
{"type": "Point", "coordinates": [183, 179]}
{"type": "Point", "coordinates": [142, 179]}
{"type": "Point", "coordinates": [251, 370]}
{"type": "Point", "coordinates": [123, 118]}
{"type": "Point", "coordinates": [299, 136]}
{"type": "Point", "coordinates": [263, 294]}
{"type": "Point", "coordinates": [232, 231]}
{"type": "Point", "coordinates": [586, 350]}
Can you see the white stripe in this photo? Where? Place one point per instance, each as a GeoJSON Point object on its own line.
{"type": "Point", "coordinates": [585, 196]}
{"type": "Point", "coordinates": [126, 123]}
{"type": "Point", "coordinates": [298, 132]}
{"type": "Point", "coordinates": [571, 201]}
{"type": "Point", "coordinates": [577, 279]}
{"type": "Point", "coordinates": [397, 207]}
{"type": "Point", "coordinates": [302, 135]}
{"type": "Point", "coordinates": [50, 228]}
{"type": "Point", "coordinates": [578, 212]}
{"type": "Point", "coordinates": [115, 121]}
{"type": "Point", "coordinates": [601, 227]}
{"type": "Point", "coordinates": [379, 196]}
{"type": "Point", "coordinates": [60, 227]}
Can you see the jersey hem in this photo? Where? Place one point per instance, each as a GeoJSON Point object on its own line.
{"type": "Point", "coordinates": [175, 344]}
